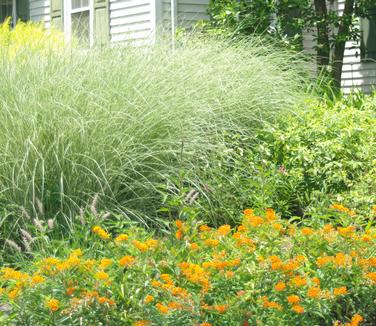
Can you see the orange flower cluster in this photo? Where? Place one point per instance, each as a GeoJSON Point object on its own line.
{"type": "Point", "coordinates": [101, 232]}
{"type": "Point", "coordinates": [343, 209]}
{"type": "Point", "coordinates": [213, 275]}
{"type": "Point", "coordinates": [195, 274]}
{"type": "Point", "coordinates": [145, 246]}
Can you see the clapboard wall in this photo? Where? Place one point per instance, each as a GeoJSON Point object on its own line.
{"type": "Point", "coordinates": [131, 21]}
{"type": "Point", "coordinates": [187, 12]}
{"type": "Point", "coordinates": [40, 11]}
{"type": "Point", "coordinates": [356, 73]}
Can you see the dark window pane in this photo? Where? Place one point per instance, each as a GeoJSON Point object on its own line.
{"type": "Point", "coordinates": [5, 10]}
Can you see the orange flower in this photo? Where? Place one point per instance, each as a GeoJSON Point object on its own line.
{"type": "Point", "coordinates": [371, 276]}
{"type": "Point", "coordinates": [322, 261]}
{"type": "Point", "coordinates": [101, 276]}
{"type": "Point", "coordinates": [230, 274]}
{"type": "Point", "coordinates": [340, 291]}
{"type": "Point", "coordinates": [103, 300]}
{"type": "Point", "coordinates": [126, 261]}
{"type": "Point", "coordinates": [204, 228]}
{"type": "Point", "coordinates": [53, 304]}
{"type": "Point", "coordinates": [270, 215]}
{"type": "Point", "coordinates": [175, 305]}
{"type": "Point", "coordinates": [179, 234]}
{"type": "Point", "coordinates": [272, 305]}
{"type": "Point", "coordinates": [255, 221]}
{"type": "Point", "coordinates": [142, 323]}
{"type": "Point", "coordinates": [211, 242]}
{"type": "Point", "coordinates": [162, 308]}
{"type": "Point", "coordinates": [13, 293]}
{"type": "Point", "coordinates": [355, 320]}
{"type": "Point", "coordinates": [151, 243]}
{"type": "Point", "coordinates": [340, 259]}
{"type": "Point", "coordinates": [327, 228]}
{"type": "Point", "coordinates": [242, 228]}
{"type": "Point", "coordinates": [298, 309]}
{"type": "Point", "coordinates": [298, 281]}
{"type": "Point", "coordinates": [341, 208]}
{"type": "Point", "coordinates": [220, 308]}
{"type": "Point", "coordinates": [314, 292]}
{"type": "Point", "coordinates": [248, 212]}
{"type": "Point", "coordinates": [121, 237]}
{"type": "Point", "coordinates": [316, 280]}
{"type": "Point", "coordinates": [307, 231]}
{"type": "Point", "coordinates": [280, 286]}
{"type": "Point", "coordinates": [167, 278]}
{"type": "Point", "coordinates": [205, 324]}
{"type": "Point", "coordinates": [37, 279]}
{"type": "Point", "coordinates": [224, 229]}
{"type": "Point", "coordinates": [69, 291]}
{"type": "Point", "coordinates": [140, 245]}
{"type": "Point", "coordinates": [156, 284]}
{"type": "Point", "coordinates": [276, 262]}
{"type": "Point", "coordinates": [104, 263]}
{"type": "Point", "coordinates": [179, 224]}
{"type": "Point", "coordinates": [293, 299]}
{"type": "Point", "coordinates": [278, 227]}
{"type": "Point", "coordinates": [148, 299]}
{"type": "Point", "coordinates": [366, 238]}
{"type": "Point", "coordinates": [101, 233]}
{"type": "Point", "coordinates": [194, 246]}
{"type": "Point", "coordinates": [347, 231]}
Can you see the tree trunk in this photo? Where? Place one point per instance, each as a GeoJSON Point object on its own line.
{"type": "Point", "coordinates": [323, 45]}
{"type": "Point", "coordinates": [340, 43]}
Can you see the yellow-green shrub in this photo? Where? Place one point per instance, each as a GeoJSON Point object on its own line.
{"type": "Point", "coordinates": [29, 38]}
{"type": "Point", "coordinates": [265, 271]}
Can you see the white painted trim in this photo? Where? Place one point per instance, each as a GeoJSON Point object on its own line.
{"type": "Point", "coordinates": [67, 19]}
{"type": "Point", "coordinates": [14, 13]}
{"type": "Point", "coordinates": [91, 22]}
{"type": "Point", "coordinates": [153, 20]}
{"type": "Point", "coordinates": [174, 19]}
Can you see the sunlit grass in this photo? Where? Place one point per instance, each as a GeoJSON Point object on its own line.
{"type": "Point", "coordinates": [121, 122]}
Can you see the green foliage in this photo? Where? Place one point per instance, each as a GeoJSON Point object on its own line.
{"type": "Point", "coordinates": [282, 18]}
{"type": "Point", "coordinates": [305, 161]}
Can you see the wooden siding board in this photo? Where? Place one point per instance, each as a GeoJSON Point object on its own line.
{"type": "Point", "coordinates": [40, 11]}
{"type": "Point", "coordinates": [188, 12]}
{"type": "Point", "coordinates": [130, 20]}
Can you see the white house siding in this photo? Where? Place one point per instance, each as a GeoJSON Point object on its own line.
{"type": "Point", "coordinates": [131, 21]}
{"type": "Point", "coordinates": [355, 74]}
{"type": "Point", "coordinates": [188, 12]}
{"type": "Point", "coordinates": [40, 11]}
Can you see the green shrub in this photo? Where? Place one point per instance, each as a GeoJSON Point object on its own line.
{"type": "Point", "coordinates": [316, 156]}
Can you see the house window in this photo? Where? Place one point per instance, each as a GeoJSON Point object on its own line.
{"type": "Point", "coordinates": [17, 9]}
{"type": "Point", "coordinates": [368, 36]}
{"type": "Point", "coordinates": [79, 21]}
{"type": "Point", "coordinates": [6, 9]}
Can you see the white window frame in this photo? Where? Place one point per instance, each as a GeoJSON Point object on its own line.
{"type": "Point", "coordinates": [14, 13]}
{"type": "Point", "coordinates": [68, 11]}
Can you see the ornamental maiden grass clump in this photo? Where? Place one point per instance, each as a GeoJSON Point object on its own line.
{"type": "Point", "coordinates": [265, 271]}
{"type": "Point", "coordinates": [125, 122]}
